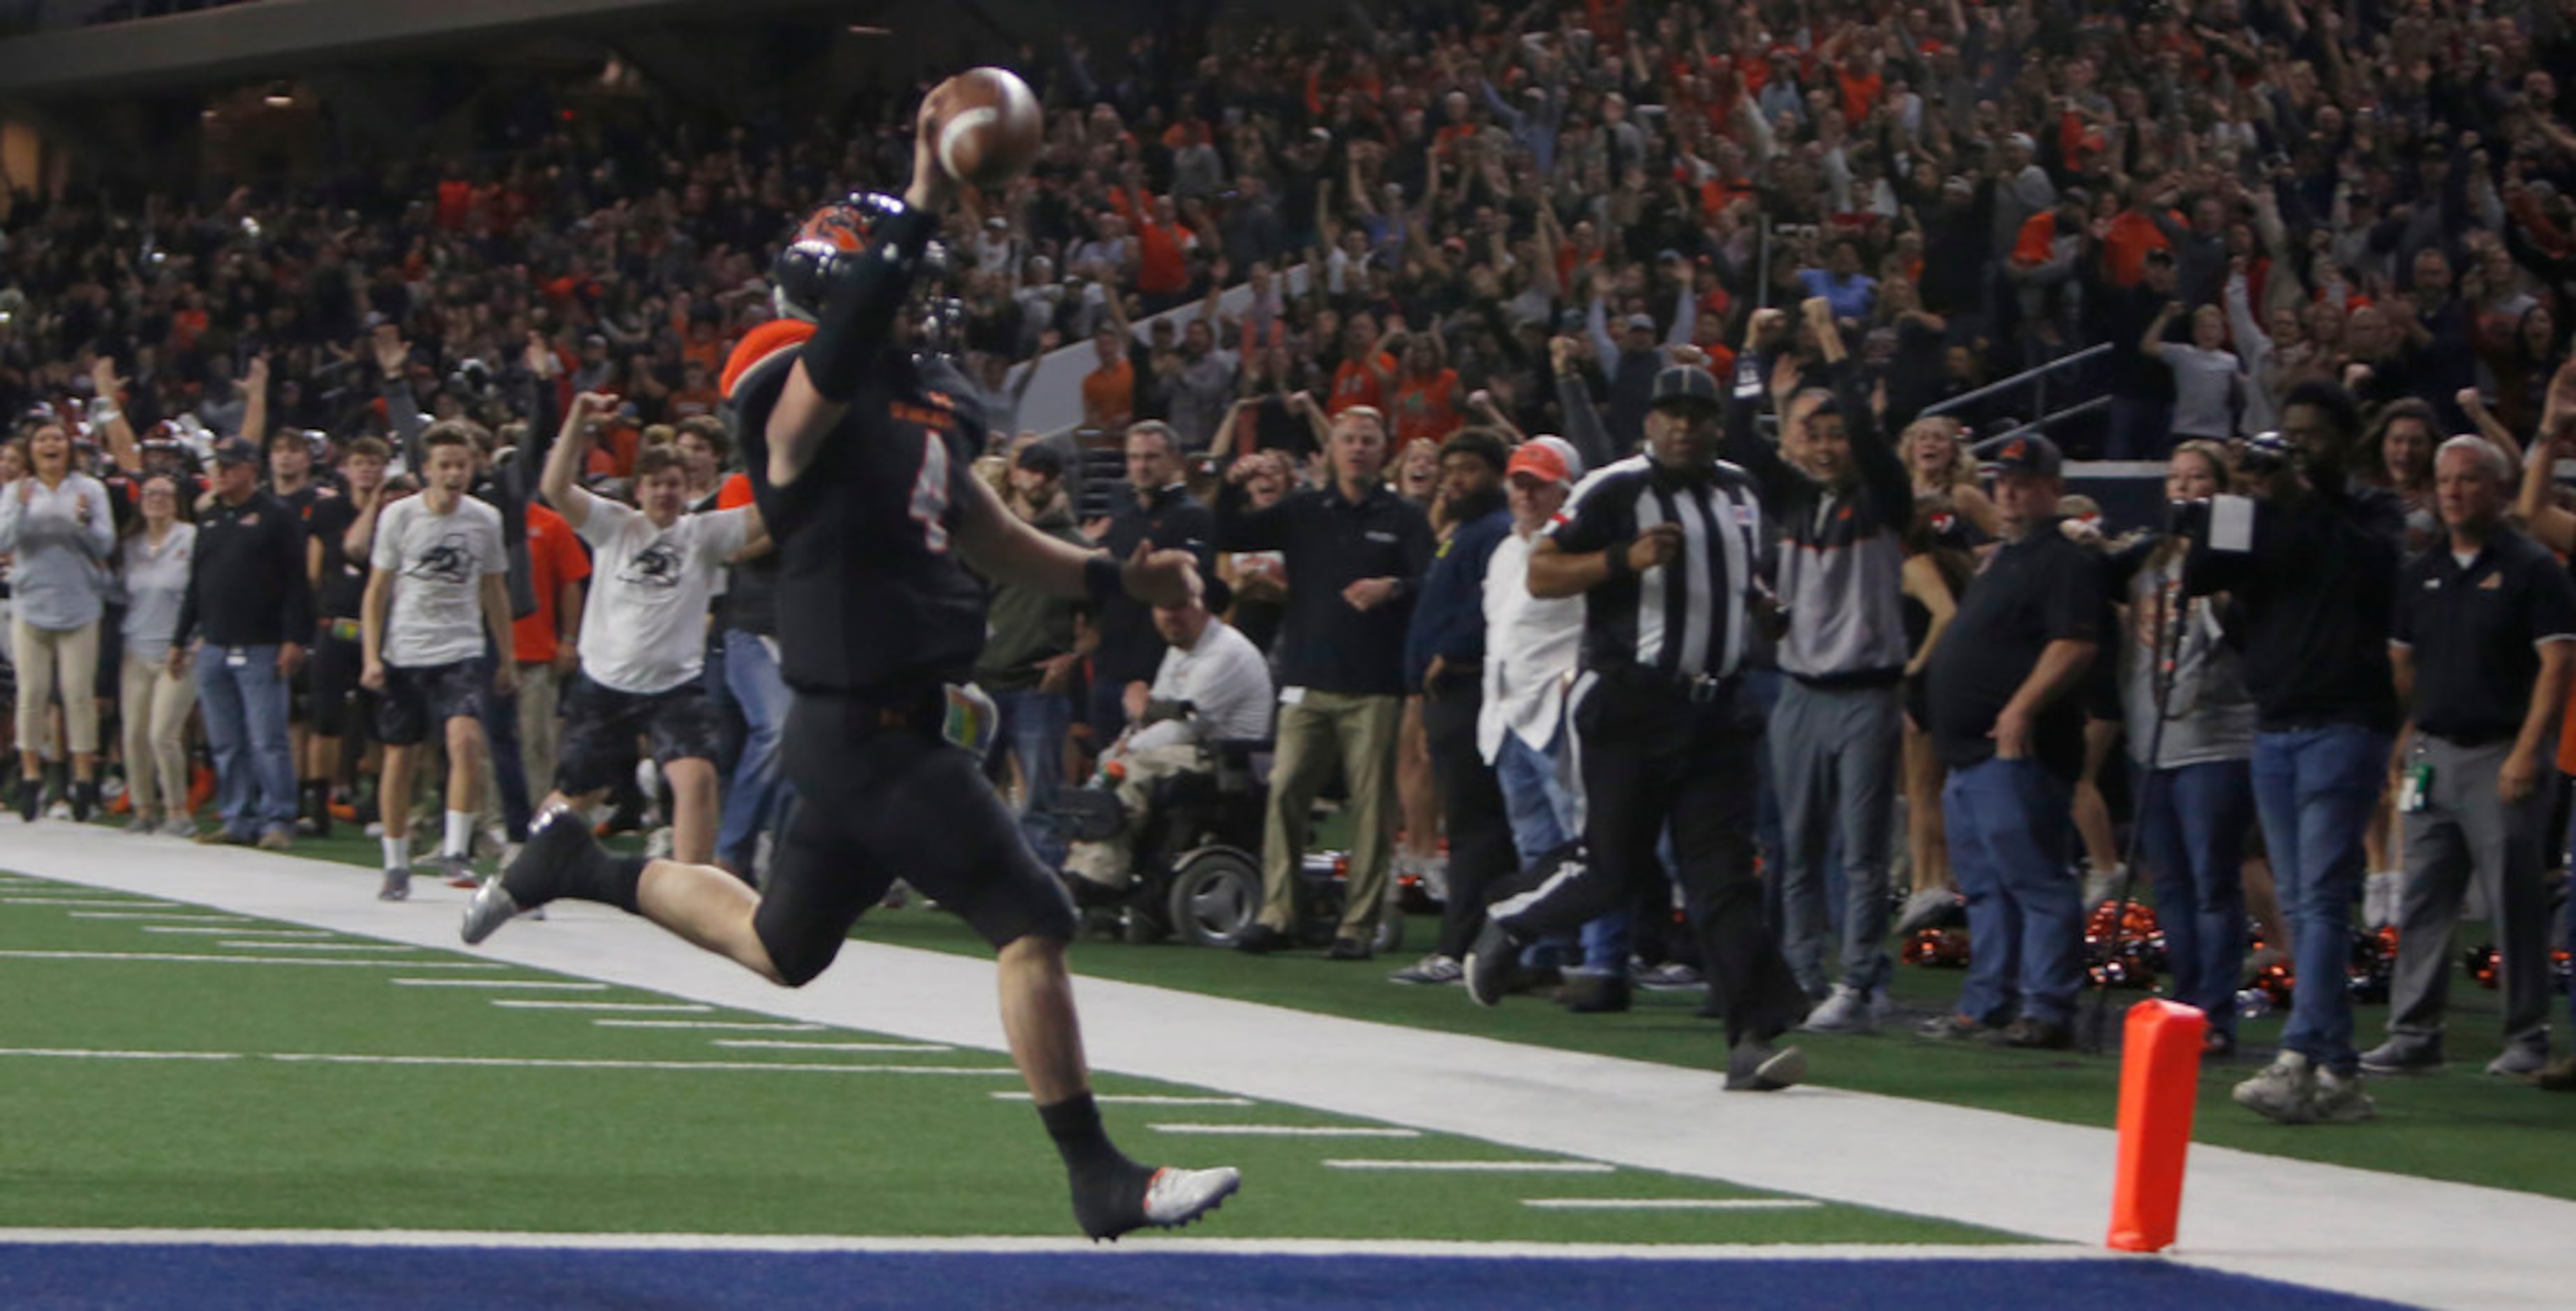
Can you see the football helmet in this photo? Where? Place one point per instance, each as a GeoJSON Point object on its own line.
{"type": "Point", "coordinates": [810, 265]}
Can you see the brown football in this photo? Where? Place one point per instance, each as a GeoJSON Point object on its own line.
{"type": "Point", "coordinates": [988, 125]}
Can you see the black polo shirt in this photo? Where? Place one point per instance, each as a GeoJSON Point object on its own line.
{"type": "Point", "coordinates": [1331, 542]}
{"type": "Point", "coordinates": [2040, 589]}
{"type": "Point", "coordinates": [2310, 606]}
{"type": "Point", "coordinates": [246, 580]}
{"type": "Point", "coordinates": [2475, 633]}
{"type": "Point", "coordinates": [1173, 520]}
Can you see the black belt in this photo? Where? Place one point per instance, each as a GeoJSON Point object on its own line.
{"type": "Point", "coordinates": [1698, 689]}
{"type": "Point", "coordinates": [918, 710]}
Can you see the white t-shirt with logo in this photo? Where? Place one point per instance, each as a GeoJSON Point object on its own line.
{"type": "Point", "coordinates": [645, 630]}
{"type": "Point", "coordinates": [438, 563]}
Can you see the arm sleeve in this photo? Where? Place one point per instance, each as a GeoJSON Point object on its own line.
{"type": "Point", "coordinates": [496, 552]}
{"type": "Point", "coordinates": [1239, 527]}
{"type": "Point", "coordinates": [287, 538]}
{"type": "Point", "coordinates": [187, 629]}
{"type": "Point", "coordinates": [99, 537]}
{"type": "Point", "coordinates": [402, 411]}
{"type": "Point", "coordinates": [386, 550]}
{"type": "Point", "coordinates": [605, 521]}
{"type": "Point", "coordinates": [2552, 611]}
{"type": "Point", "coordinates": [1591, 520]}
{"type": "Point", "coordinates": [1596, 323]}
{"type": "Point", "coordinates": [1583, 428]}
{"type": "Point", "coordinates": [726, 530]}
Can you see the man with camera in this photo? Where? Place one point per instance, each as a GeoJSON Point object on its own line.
{"type": "Point", "coordinates": [2310, 566]}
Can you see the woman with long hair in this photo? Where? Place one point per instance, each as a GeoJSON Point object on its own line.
{"type": "Point", "coordinates": [1938, 564]}
{"type": "Point", "coordinates": [58, 522]}
{"type": "Point", "coordinates": [2397, 454]}
{"type": "Point", "coordinates": [1936, 454]}
{"type": "Point", "coordinates": [2191, 736]}
{"type": "Point", "coordinates": [153, 700]}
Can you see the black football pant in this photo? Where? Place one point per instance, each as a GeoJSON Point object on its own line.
{"type": "Point", "coordinates": [1480, 826]}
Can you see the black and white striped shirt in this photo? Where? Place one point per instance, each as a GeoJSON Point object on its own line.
{"type": "Point", "coordinates": [1685, 619]}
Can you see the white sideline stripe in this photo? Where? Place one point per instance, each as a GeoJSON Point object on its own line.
{"type": "Point", "coordinates": [1480, 1167]}
{"type": "Point", "coordinates": [314, 946]}
{"type": "Point", "coordinates": [1307, 1247]}
{"type": "Point", "coordinates": [163, 916]}
{"type": "Point", "coordinates": [500, 983]}
{"type": "Point", "coordinates": [1138, 1099]}
{"type": "Point", "coordinates": [789, 1045]}
{"type": "Point", "coordinates": [77, 1054]}
{"type": "Point", "coordinates": [229, 928]}
{"type": "Point", "coordinates": [1287, 1130]}
{"type": "Point", "coordinates": [90, 903]}
{"type": "Point", "coordinates": [185, 959]}
{"type": "Point", "coordinates": [738, 1026]}
{"type": "Point", "coordinates": [565, 1063]}
{"type": "Point", "coordinates": [668, 1007]}
{"type": "Point", "coordinates": [1671, 1203]}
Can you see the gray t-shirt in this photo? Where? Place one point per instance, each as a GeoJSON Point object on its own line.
{"type": "Point", "coordinates": [2209, 717]}
{"type": "Point", "coordinates": [438, 563]}
{"type": "Point", "coordinates": [156, 586]}
{"type": "Point", "coordinates": [2204, 391]}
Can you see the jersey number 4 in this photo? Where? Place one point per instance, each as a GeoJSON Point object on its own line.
{"type": "Point", "coordinates": [930, 493]}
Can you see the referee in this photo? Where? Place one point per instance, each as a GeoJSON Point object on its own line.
{"type": "Point", "coordinates": [1664, 548]}
{"type": "Point", "coordinates": [862, 463]}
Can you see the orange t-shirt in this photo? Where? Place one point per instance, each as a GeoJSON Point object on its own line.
{"type": "Point", "coordinates": [1423, 407]}
{"type": "Point", "coordinates": [2126, 245]}
{"type": "Point", "coordinates": [1109, 395]}
{"type": "Point", "coordinates": [1860, 94]}
{"type": "Point", "coordinates": [555, 557]}
{"type": "Point", "coordinates": [1355, 383]}
{"type": "Point", "coordinates": [2037, 239]}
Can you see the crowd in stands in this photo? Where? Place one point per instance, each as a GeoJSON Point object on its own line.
{"type": "Point", "coordinates": [1456, 229]}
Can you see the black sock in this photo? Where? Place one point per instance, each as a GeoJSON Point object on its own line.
{"type": "Point", "coordinates": [1108, 1189]}
{"type": "Point", "coordinates": [585, 872]}
{"type": "Point", "coordinates": [1074, 1124]}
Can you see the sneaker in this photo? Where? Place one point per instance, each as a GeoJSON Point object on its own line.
{"type": "Point", "coordinates": [1595, 994]}
{"type": "Point", "coordinates": [375, 828]}
{"type": "Point", "coordinates": [1434, 968]}
{"type": "Point", "coordinates": [397, 885]}
{"type": "Point", "coordinates": [1952, 1027]}
{"type": "Point", "coordinates": [180, 826]}
{"type": "Point", "coordinates": [220, 836]}
{"type": "Point", "coordinates": [2340, 1100]}
{"type": "Point", "coordinates": [30, 799]}
{"type": "Point", "coordinates": [2403, 1056]}
{"type": "Point", "coordinates": [140, 823]}
{"type": "Point", "coordinates": [1488, 969]}
{"type": "Point", "coordinates": [1349, 949]}
{"type": "Point", "coordinates": [1172, 1197]}
{"type": "Point", "coordinates": [84, 802]}
{"type": "Point", "coordinates": [2379, 898]}
{"type": "Point", "coordinates": [2519, 1062]}
{"type": "Point", "coordinates": [1671, 976]}
{"type": "Point", "coordinates": [276, 839]}
{"type": "Point", "coordinates": [1842, 1011]}
{"type": "Point", "coordinates": [2101, 885]}
{"type": "Point", "coordinates": [1260, 940]}
{"type": "Point", "coordinates": [1754, 1065]}
{"type": "Point", "coordinates": [2284, 1091]}
{"type": "Point", "coordinates": [1932, 908]}
{"type": "Point", "coordinates": [2031, 1034]}
{"type": "Point", "coordinates": [2557, 1076]}
{"type": "Point", "coordinates": [458, 870]}
{"type": "Point", "coordinates": [490, 908]}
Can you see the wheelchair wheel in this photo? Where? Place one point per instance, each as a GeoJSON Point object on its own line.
{"type": "Point", "coordinates": [1216, 895]}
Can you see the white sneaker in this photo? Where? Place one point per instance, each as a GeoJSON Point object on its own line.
{"type": "Point", "coordinates": [2285, 1090]}
{"type": "Point", "coordinates": [1928, 909]}
{"type": "Point", "coordinates": [2340, 1100]}
{"type": "Point", "coordinates": [2102, 885]}
{"type": "Point", "coordinates": [2379, 896]}
{"type": "Point", "coordinates": [1434, 969]}
{"type": "Point", "coordinates": [1843, 1010]}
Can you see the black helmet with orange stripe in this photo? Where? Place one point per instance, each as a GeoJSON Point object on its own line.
{"type": "Point", "coordinates": [815, 259]}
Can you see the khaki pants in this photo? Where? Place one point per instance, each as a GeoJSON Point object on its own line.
{"type": "Point", "coordinates": [1112, 862]}
{"type": "Point", "coordinates": [1361, 731]}
{"type": "Point", "coordinates": [155, 705]}
{"type": "Point", "coordinates": [41, 653]}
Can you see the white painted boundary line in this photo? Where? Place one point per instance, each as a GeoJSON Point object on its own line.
{"type": "Point", "coordinates": [1326, 1248]}
{"type": "Point", "coordinates": [166, 957]}
{"type": "Point", "coordinates": [1479, 1167]}
{"type": "Point", "coordinates": [234, 928]}
{"type": "Point", "coordinates": [315, 946]}
{"type": "Point", "coordinates": [90, 903]}
{"type": "Point", "coordinates": [562, 1063]}
{"type": "Point", "coordinates": [1671, 1203]}
{"type": "Point", "coordinates": [81, 1054]}
{"type": "Point", "coordinates": [1138, 1099]}
{"type": "Point", "coordinates": [1286, 1131]}
{"type": "Point", "coordinates": [163, 916]}
{"type": "Point", "coordinates": [783, 1045]}
{"type": "Point", "coordinates": [738, 1026]}
{"type": "Point", "coordinates": [665, 1007]}
{"type": "Point", "coordinates": [550, 984]}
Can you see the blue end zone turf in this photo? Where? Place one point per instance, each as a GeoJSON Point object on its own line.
{"type": "Point", "coordinates": [522, 1279]}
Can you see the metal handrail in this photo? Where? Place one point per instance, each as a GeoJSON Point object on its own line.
{"type": "Point", "coordinates": [2080, 407]}
{"type": "Point", "coordinates": [2022, 378]}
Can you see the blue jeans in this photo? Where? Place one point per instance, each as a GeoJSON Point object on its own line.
{"type": "Point", "coordinates": [2009, 828]}
{"type": "Point", "coordinates": [2314, 789]}
{"type": "Point", "coordinates": [1541, 804]}
{"type": "Point", "coordinates": [2191, 823]}
{"type": "Point", "coordinates": [758, 798]}
{"type": "Point", "coordinates": [509, 763]}
{"type": "Point", "coordinates": [1032, 729]}
{"type": "Point", "coordinates": [245, 707]}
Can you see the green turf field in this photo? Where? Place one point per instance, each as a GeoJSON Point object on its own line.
{"type": "Point", "coordinates": [256, 1090]}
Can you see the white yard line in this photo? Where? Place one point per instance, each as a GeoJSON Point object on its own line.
{"type": "Point", "coordinates": [1478, 1167]}
{"type": "Point", "coordinates": [235, 929]}
{"type": "Point", "coordinates": [732, 1026]}
{"type": "Point", "coordinates": [87, 903]}
{"type": "Point", "coordinates": [566, 1063]}
{"type": "Point", "coordinates": [83, 1054]}
{"type": "Point", "coordinates": [786, 1045]}
{"type": "Point", "coordinates": [2358, 1231]}
{"type": "Point", "coordinates": [265, 945]}
{"type": "Point", "coordinates": [1286, 1130]}
{"type": "Point", "coordinates": [183, 958]}
{"type": "Point", "coordinates": [163, 917]}
{"type": "Point", "coordinates": [1670, 1203]}
{"type": "Point", "coordinates": [665, 1007]}
{"type": "Point", "coordinates": [549, 984]}
{"type": "Point", "coordinates": [1140, 1099]}
{"type": "Point", "coordinates": [1159, 1244]}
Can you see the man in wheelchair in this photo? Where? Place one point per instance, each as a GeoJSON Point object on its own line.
{"type": "Point", "coordinates": [1212, 686]}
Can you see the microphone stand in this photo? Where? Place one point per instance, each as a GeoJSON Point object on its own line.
{"type": "Point", "coordinates": [2161, 675]}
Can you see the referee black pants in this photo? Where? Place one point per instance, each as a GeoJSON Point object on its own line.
{"type": "Point", "coordinates": [1652, 757]}
{"type": "Point", "coordinates": [1471, 797]}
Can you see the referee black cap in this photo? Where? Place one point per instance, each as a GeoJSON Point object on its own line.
{"type": "Point", "coordinates": [1686, 382]}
